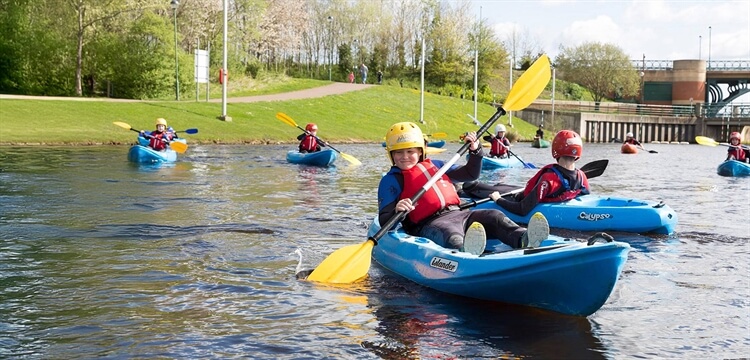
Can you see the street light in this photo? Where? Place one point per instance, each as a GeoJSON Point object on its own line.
{"type": "Point", "coordinates": [709, 47]}
{"type": "Point", "coordinates": [330, 54]}
{"type": "Point", "coordinates": [175, 4]}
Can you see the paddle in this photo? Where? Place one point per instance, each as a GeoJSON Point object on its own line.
{"type": "Point", "coordinates": [439, 135]}
{"type": "Point", "coordinates": [189, 131]}
{"type": "Point", "coordinates": [592, 170]}
{"type": "Point", "coordinates": [352, 262]}
{"type": "Point", "coordinates": [525, 164]}
{"type": "Point", "coordinates": [703, 140]}
{"type": "Point", "coordinates": [177, 146]}
{"type": "Point", "coordinates": [286, 119]}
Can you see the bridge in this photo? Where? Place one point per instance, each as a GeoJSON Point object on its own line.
{"type": "Point", "coordinates": [679, 100]}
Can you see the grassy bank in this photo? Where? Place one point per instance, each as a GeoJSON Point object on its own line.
{"type": "Point", "coordinates": [359, 116]}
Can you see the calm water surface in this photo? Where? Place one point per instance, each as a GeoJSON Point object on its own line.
{"type": "Point", "coordinates": [103, 258]}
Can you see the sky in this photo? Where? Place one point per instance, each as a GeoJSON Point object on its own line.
{"type": "Point", "coordinates": [658, 29]}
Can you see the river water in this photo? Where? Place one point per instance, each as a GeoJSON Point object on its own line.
{"type": "Point", "coordinates": [103, 258]}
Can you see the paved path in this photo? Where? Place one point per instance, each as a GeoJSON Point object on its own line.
{"type": "Point", "coordinates": [332, 89]}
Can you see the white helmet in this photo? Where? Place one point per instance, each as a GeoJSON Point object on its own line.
{"type": "Point", "coordinates": [629, 134]}
{"type": "Point", "coordinates": [499, 128]}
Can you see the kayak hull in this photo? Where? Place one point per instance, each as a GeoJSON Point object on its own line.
{"type": "Point", "coordinates": [323, 158]}
{"type": "Point", "coordinates": [733, 168]}
{"type": "Point", "coordinates": [629, 149]}
{"type": "Point", "coordinates": [540, 143]}
{"type": "Point", "coordinates": [563, 276]}
{"type": "Point", "coordinates": [601, 213]}
{"type": "Point", "coordinates": [491, 163]}
{"type": "Point", "coordinates": [143, 154]}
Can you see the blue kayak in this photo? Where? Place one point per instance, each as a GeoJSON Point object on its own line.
{"type": "Point", "coordinates": [435, 144]}
{"type": "Point", "coordinates": [733, 168]}
{"type": "Point", "coordinates": [491, 163]}
{"type": "Point", "coordinates": [561, 275]}
{"type": "Point", "coordinates": [325, 157]}
{"type": "Point", "coordinates": [601, 213]}
{"type": "Point", "coordinates": [143, 154]}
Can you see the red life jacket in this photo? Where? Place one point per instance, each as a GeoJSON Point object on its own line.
{"type": "Point", "coordinates": [560, 187]}
{"type": "Point", "coordinates": [309, 143]}
{"type": "Point", "coordinates": [436, 198]}
{"type": "Point", "coordinates": [737, 152]}
{"type": "Point", "coordinates": [498, 147]}
{"type": "Point", "coordinates": [156, 141]}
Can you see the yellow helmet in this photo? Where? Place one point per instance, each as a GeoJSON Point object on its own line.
{"type": "Point", "coordinates": [404, 135]}
{"type": "Point", "coordinates": [161, 121]}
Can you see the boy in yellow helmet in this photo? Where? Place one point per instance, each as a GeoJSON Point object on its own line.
{"type": "Point", "coordinates": [159, 138]}
{"type": "Point", "coordinates": [436, 214]}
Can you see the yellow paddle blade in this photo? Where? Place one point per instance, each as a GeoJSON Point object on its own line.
{"type": "Point", "coordinates": [285, 118]}
{"type": "Point", "coordinates": [122, 125]}
{"type": "Point", "coordinates": [350, 159]}
{"type": "Point", "coordinates": [433, 150]}
{"type": "Point", "coordinates": [345, 265]}
{"type": "Point", "coordinates": [177, 146]}
{"type": "Point", "coordinates": [529, 85]}
{"type": "Point", "coordinates": [704, 140]}
{"type": "Point", "coordinates": [439, 135]}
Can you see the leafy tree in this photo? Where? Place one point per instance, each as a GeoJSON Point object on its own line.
{"type": "Point", "coordinates": [602, 68]}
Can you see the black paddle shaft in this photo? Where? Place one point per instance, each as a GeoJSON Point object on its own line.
{"type": "Point", "coordinates": [592, 170]}
{"type": "Point", "coordinates": [399, 216]}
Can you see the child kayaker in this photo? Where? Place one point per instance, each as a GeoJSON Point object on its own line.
{"type": "Point", "coordinates": [735, 150]}
{"type": "Point", "coordinates": [499, 144]}
{"type": "Point", "coordinates": [309, 141]}
{"type": "Point", "coordinates": [555, 182]}
{"type": "Point", "coordinates": [159, 138]}
{"type": "Point", "coordinates": [629, 139]}
{"type": "Point", "coordinates": [436, 214]}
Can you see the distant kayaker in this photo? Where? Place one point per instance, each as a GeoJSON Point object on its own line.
{"type": "Point", "coordinates": [436, 214]}
{"type": "Point", "coordinates": [499, 144]}
{"type": "Point", "coordinates": [309, 142]}
{"type": "Point", "coordinates": [159, 138]}
{"type": "Point", "coordinates": [629, 139]}
{"type": "Point", "coordinates": [735, 150]}
{"type": "Point", "coordinates": [553, 183]}
{"type": "Point", "coordinates": [540, 132]}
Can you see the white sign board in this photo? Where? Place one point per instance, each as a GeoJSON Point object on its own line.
{"type": "Point", "coordinates": [201, 66]}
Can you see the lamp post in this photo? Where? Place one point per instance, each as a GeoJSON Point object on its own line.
{"type": "Point", "coordinates": [330, 54]}
{"type": "Point", "coordinates": [709, 47]}
{"type": "Point", "coordinates": [175, 4]}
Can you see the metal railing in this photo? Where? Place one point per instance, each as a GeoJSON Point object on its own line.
{"type": "Point", "coordinates": [717, 65]}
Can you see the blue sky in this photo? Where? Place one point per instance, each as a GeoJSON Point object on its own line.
{"type": "Point", "coordinates": [662, 30]}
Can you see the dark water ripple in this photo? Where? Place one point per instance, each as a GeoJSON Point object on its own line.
{"type": "Point", "coordinates": [198, 260]}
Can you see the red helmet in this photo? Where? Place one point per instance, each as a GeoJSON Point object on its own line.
{"type": "Point", "coordinates": [311, 127]}
{"type": "Point", "coordinates": [735, 135]}
{"type": "Point", "coordinates": [567, 143]}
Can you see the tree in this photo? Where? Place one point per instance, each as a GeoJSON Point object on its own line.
{"type": "Point", "coordinates": [602, 68]}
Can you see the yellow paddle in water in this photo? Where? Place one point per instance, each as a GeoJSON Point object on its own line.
{"type": "Point", "coordinates": [350, 263]}
{"type": "Point", "coordinates": [286, 119]}
{"type": "Point", "coordinates": [177, 146]}
{"type": "Point", "coordinates": [437, 135]}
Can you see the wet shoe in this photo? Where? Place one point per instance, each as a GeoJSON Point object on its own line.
{"type": "Point", "coordinates": [475, 239]}
{"type": "Point", "coordinates": [600, 236]}
{"type": "Point", "coordinates": [537, 231]}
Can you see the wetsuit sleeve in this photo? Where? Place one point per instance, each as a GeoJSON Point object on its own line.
{"type": "Point", "coordinates": [522, 207]}
{"type": "Point", "coordinates": [389, 191]}
{"type": "Point", "coordinates": [301, 136]}
{"type": "Point", "coordinates": [468, 172]}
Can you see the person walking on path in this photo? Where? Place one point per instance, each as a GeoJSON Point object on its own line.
{"type": "Point", "coordinates": [363, 72]}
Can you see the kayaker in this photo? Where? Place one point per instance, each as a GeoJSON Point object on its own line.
{"type": "Point", "coordinates": [540, 132]}
{"type": "Point", "coordinates": [309, 142]}
{"type": "Point", "coordinates": [159, 138]}
{"type": "Point", "coordinates": [555, 182]}
{"type": "Point", "coordinates": [735, 150]}
{"type": "Point", "coordinates": [436, 214]}
{"type": "Point", "coordinates": [499, 144]}
{"type": "Point", "coordinates": [629, 139]}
